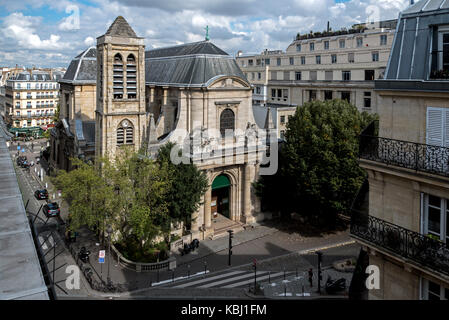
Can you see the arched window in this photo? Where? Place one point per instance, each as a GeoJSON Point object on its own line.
{"type": "Point", "coordinates": [125, 133]}
{"type": "Point", "coordinates": [131, 82]}
{"type": "Point", "coordinates": [118, 76]}
{"type": "Point", "coordinates": [227, 121]}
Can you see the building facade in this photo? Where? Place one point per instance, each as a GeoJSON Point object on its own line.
{"type": "Point", "coordinates": [74, 133]}
{"type": "Point", "coordinates": [322, 66]}
{"type": "Point", "coordinates": [32, 98]}
{"type": "Point", "coordinates": [406, 231]}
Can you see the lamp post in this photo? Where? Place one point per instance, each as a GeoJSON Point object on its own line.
{"type": "Point", "coordinates": [109, 231]}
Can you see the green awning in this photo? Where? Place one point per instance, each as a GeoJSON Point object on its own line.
{"type": "Point", "coordinates": [25, 129]}
{"type": "Point", "coordinates": [220, 182]}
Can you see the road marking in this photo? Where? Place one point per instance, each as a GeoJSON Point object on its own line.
{"type": "Point", "coordinates": [336, 245]}
{"type": "Point", "coordinates": [216, 283]}
{"type": "Point", "coordinates": [208, 279]}
{"type": "Point", "coordinates": [238, 284]}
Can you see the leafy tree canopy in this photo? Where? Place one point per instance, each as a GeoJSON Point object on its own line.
{"type": "Point", "coordinates": [319, 173]}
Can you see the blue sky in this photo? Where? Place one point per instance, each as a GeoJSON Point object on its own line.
{"type": "Point", "coordinates": [51, 33]}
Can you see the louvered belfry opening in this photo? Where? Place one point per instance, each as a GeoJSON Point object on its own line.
{"type": "Point", "coordinates": [118, 76]}
{"type": "Point", "coordinates": [131, 82]}
{"type": "Point", "coordinates": [227, 121]}
{"type": "Point", "coordinates": [125, 133]}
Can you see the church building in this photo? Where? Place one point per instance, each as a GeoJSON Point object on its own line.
{"type": "Point", "coordinates": [194, 95]}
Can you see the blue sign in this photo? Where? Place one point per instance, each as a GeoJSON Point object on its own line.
{"type": "Point", "coordinates": [100, 260]}
{"type": "Point", "coordinates": [18, 147]}
{"type": "Point", "coordinates": [23, 150]}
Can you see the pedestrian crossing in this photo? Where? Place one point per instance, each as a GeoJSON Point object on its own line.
{"type": "Point", "coordinates": [232, 279]}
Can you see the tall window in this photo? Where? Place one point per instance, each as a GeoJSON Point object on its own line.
{"type": "Point", "coordinates": [326, 45]}
{"type": "Point", "coordinates": [298, 75]}
{"type": "Point", "coordinates": [346, 95]}
{"type": "Point", "coordinates": [346, 75]}
{"type": "Point", "coordinates": [125, 133]}
{"type": "Point", "coordinates": [383, 39]}
{"type": "Point", "coordinates": [267, 62]}
{"type": "Point", "coordinates": [131, 83]}
{"type": "Point", "coordinates": [292, 60]}
{"type": "Point", "coordinates": [367, 99]}
{"type": "Point", "coordinates": [375, 56]}
{"type": "Point", "coordinates": [227, 121]}
{"type": "Point", "coordinates": [118, 77]}
{"type": "Point", "coordinates": [303, 60]}
{"type": "Point", "coordinates": [312, 46]}
{"type": "Point", "coordinates": [369, 75]}
{"type": "Point", "coordinates": [334, 58]}
{"type": "Point", "coordinates": [327, 95]}
{"type": "Point", "coordinates": [359, 42]}
{"type": "Point", "coordinates": [433, 291]}
{"type": "Point", "coordinates": [278, 61]}
{"type": "Point", "coordinates": [351, 57]}
{"type": "Point", "coordinates": [342, 43]}
{"type": "Point", "coordinates": [318, 59]}
{"type": "Point", "coordinates": [436, 217]}
{"type": "Point", "coordinates": [298, 47]}
{"type": "Point", "coordinates": [443, 50]}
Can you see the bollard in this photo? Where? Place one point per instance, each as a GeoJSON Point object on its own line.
{"type": "Point", "coordinates": [173, 276]}
{"type": "Point", "coordinates": [269, 276]}
{"type": "Point", "coordinates": [284, 273]}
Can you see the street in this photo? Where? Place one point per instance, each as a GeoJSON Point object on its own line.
{"type": "Point", "coordinates": [279, 254]}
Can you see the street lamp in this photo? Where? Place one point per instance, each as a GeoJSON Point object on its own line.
{"type": "Point", "coordinates": [109, 231]}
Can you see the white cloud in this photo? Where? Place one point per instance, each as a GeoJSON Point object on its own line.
{"type": "Point", "coordinates": [89, 41]}
{"type": "Point", "coordinates": [21, 28]}
{"type": "Point", "coordinates": [247, 25]}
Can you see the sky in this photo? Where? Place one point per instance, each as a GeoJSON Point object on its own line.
{"type": "Point", "coordinates": [49, 33]}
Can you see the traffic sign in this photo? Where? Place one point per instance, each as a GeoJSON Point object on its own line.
{"type": "Point", "coordinates": [18, 147]}
{"type": "Point", "coordinates": [101, 253]}
{"type": "Point", "coordinates": [100, 260]}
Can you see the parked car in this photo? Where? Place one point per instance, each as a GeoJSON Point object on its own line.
{"type": "Point", "coordinates": [20, 160]}
{"type": "Point", "coordinates": [51, 209]}
{"type": "Point", "coordinates": [41, 194]}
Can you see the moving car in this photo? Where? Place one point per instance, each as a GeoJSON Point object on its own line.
{"type": "Point", "coordinates": [51, 209]}
{"type": "Point", "coordinates": [41, 194]}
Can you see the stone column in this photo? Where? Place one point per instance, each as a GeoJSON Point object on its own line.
{"type": "Point", "coordinates": [247, 193]}
{"type": "Point", "coordinates": [207, 211]}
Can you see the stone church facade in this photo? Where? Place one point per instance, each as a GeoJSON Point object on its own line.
{"type": "Point", "coordinates": [192, 94]}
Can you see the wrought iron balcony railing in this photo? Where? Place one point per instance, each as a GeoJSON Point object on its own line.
{"type": "Point", "coordinates": [411, 155]}
{"type": "Point", "coordinates": [414, 246]}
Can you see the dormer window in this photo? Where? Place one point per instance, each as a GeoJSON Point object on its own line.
{"type": "Point", "coordinates": [443, 49]}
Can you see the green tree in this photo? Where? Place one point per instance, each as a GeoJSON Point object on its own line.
{"type": "Point", "coordinates": [187, 185]}
{"type": "Point", "coordinates": [319, 173]}
{"type": "Point", "coordinates": [127, 193]}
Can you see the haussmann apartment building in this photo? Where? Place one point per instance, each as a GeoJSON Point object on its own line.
{"type": "Point", "coordinates": [406, 233]}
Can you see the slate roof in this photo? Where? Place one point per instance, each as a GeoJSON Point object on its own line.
{"type": "Point", "coordinates": [410, 57]}
{"type": "Point", "coordinates": [189, 65]}
{"type": "Point", "coordinates": [121, 28]}
{"type": "Point", "coordinates": [83, 68]}
{"type": "Point", "coordinates": [33, 76]}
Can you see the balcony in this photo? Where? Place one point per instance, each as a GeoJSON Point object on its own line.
{"type": "Point", "coordinates": [408, 244]}
{"type": "Point", "coordinates": [416, 156]}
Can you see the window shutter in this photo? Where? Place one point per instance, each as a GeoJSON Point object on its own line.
{"type": "Point", "coordinates": [434, 126]}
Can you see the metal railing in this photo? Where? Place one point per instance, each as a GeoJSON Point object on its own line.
{"type": "Point", "coordinates": [416, 156]}
{"type": "Point", "coordinates": [412, 245]}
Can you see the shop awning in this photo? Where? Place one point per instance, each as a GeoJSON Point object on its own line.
{"type": "Point", "coordinates": [221, 181]}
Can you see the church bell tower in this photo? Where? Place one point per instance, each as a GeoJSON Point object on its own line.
{"type": "Point", "coordinates": [120, 111]}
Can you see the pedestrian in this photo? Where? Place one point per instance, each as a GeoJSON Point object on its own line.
{"type": "Point", "coordinates": [310, 277]}
{"type": "Point", "coordinates": [32, 146]}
